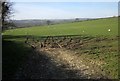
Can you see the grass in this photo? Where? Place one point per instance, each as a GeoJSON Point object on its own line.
{"type": "Point", "coordinates": [13, 42]}
{"type": "Point", "coordinates": [105, 51]}
{"type": "Point", "coordinates": [14, 55]}
{"type": "Point", "coordinates": [91, 27]}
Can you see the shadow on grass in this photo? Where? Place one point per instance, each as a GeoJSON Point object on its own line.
{"type": "Point", "coordinates": [13, 55]}
{"type": "Point", "coordinates": [36, 66]}
{"type": "Point", "coordinates": [40, 66]}
{"type": "Point", "coordinates": [31, 36]}
{"type": "Point", "coordinates": [16, 54]}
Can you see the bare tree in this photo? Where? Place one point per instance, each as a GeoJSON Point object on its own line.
{"type": "Point", "coordinates": [0, 16]}
{"type": "Point", "coordinates": [6, 12]}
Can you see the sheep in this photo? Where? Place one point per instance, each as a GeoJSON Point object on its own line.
{"type": "Point", "coordinates": [109, 30]}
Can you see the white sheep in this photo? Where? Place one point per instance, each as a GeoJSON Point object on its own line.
{"type": "Point", "coordinates": [109, 30]}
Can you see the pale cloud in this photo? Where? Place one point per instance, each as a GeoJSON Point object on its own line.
{"type": "Point", "coordinates": [93, 13]}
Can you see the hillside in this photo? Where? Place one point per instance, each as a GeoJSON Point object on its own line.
{"type": "Point", "coordinates": [91, 27]}
{"type": "Point", "coordinates": [89, 51]}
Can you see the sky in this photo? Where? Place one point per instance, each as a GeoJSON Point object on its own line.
{"type": "Point", "coordinates": [65, 0]}
{"type": "Point", "coordinates": [63, 10]}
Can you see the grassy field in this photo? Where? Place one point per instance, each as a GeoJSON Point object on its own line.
{"type": "Point", "coordinates": [106, 50]}
{"type": "Point", "coordinates": [91, 27]}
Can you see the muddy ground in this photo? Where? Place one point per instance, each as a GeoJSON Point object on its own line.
{"type": "Point", "coordinates": [58, 63]}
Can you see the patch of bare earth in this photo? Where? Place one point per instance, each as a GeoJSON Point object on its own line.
{"type": "Point", "coordinates": [68, 60]}
{"type": "Point", "coordinates": [58, 63]}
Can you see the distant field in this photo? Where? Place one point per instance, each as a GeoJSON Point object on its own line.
{"type": "Point", "coordinates": [91, 27]}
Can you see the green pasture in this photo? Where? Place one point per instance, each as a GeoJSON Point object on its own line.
{"type": "Point", "coordinates": [90, 27]}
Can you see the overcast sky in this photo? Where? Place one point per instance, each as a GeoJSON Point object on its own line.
{"type": "Point", "coordinates": [63, 10]}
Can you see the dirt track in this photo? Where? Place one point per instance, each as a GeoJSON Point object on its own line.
{"type": "Point", "coordinates": [58, 63]}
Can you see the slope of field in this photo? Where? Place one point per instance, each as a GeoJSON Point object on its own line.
{"type": "Point", "coordinates": [91, 27]}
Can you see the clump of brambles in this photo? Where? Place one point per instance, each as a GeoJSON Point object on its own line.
{"type": "Point", "coordinates": [68, 42]}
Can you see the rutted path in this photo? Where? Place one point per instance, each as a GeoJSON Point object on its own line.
{"type": "Point", "coordinates": [58, 63]}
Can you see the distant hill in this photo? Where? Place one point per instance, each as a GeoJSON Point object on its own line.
{"type": "Point", "coordinates": [36, 22]}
